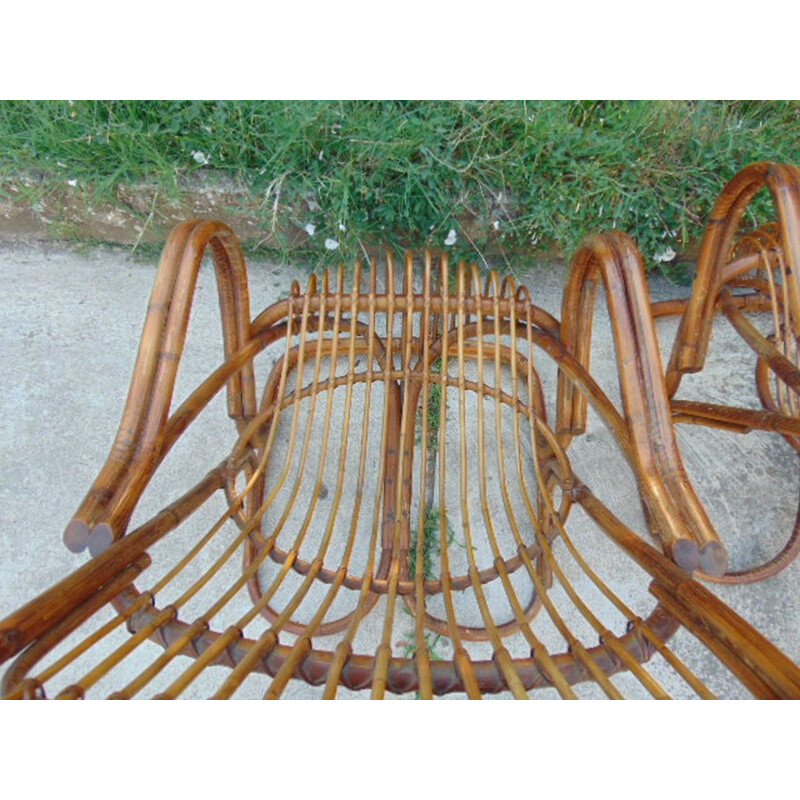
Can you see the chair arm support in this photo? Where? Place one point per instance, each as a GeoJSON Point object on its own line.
{"type": "Point", "coordinates": [105, 511]}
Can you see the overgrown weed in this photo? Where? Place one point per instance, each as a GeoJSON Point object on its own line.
{"type": "Point", "coordinates": [490, 177]}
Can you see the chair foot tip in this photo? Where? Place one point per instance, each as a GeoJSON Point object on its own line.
{"type": "Point", "coordinates": [714, 559]}
{"type": "Point", "coordinates": [76, 536]}
{"type": "Point", "coordinates": [100, 539]}
{"type": "Point", "coordinates": [686, 554]}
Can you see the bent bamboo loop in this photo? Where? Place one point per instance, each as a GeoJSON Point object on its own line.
{"type": "Point", "coordinates": [105, 511]}
{"type": "Point", "coordinates": [665, 485]}
{"type": "Point", "coordinates": [783, 181]}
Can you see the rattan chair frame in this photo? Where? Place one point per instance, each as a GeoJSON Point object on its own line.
{"type": "Point", "coordinates": [418, 333]}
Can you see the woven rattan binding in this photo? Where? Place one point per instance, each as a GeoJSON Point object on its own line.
{"type": "Point", "coordinates": [403, 512]}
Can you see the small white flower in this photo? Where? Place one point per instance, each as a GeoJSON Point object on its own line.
{"type": "Point", "coordinates": [321, 155]}
{"type": "Point", "coordinates": [496, 224]}
{"type": "Point", "coordinates": [72, 182]}
{"type": "Point", "coordinates": [667, 255]}
{"type": "Point", "coordinates": [331, 244]}
{"type": "Point", "coordinates": [200, 157]}
{"type": "Point", "coordinates": [342, 227]}
{"type": "Point", "coordinates": [60, 164]}
{"type": "Point", "coordinates": [311, 229]}
{"type": "Point", "coordinates": [451, 238]}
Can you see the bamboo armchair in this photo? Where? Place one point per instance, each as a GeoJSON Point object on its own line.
{"type": "Point", "coordinates": [399, 514]}
{"type": "Point", "coordinates": [749, 277]}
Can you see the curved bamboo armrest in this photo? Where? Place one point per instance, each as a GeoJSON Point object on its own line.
{"type": "Point", "coordinates": [140, 442]}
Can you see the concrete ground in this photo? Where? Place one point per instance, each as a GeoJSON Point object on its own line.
{"type": "Point", "coordinates": [71, 322]}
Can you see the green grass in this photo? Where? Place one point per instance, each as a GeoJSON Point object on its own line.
{"type": "Point", "coordinates": [505, 176]}
{"type": "Point", "coordinates": [434, 415]}
{"type": "Point", "coordinates": [431, 545]}
{"type": "Point", "coordinates": [432, 640]}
